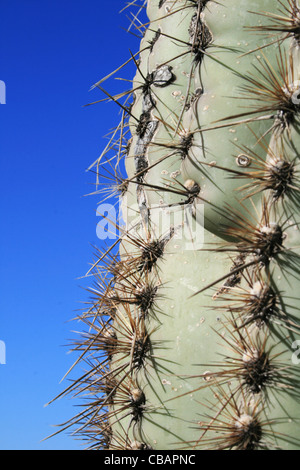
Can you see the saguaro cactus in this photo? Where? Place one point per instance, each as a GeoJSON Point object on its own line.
{"type": "Point", "coordinates": [194, 324]}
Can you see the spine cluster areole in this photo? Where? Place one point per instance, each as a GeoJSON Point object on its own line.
{"type": "Point", "coordinates": [194, 324]}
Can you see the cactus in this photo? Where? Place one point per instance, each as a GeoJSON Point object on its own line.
{"type": "Point", "coordinates": [194, 321]}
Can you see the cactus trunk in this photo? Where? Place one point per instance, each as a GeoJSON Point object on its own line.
{"type": "Point", "coordinates": [194, 330]}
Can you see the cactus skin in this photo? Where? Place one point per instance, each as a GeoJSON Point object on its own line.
{"type": "Point", "coordinates": [192, 342]}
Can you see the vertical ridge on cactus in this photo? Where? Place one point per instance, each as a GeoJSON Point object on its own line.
{"type": "Point", "coordinates": [194, 319]}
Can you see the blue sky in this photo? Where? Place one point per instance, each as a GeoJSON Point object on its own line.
{"type": "Point", "coordinates": [51, 52]}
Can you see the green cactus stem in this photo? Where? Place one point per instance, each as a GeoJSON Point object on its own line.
{"type": "Point", "coordinates": [194, 325]}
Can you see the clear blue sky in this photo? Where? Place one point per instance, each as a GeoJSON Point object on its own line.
{"type": "Point", "coordinates": [51, 52]}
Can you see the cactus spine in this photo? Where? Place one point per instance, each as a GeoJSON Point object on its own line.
{"type": "Point", "coordinates": [196, 317]}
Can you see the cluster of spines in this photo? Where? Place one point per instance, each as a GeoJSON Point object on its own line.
{"type": "Point", "coordinates": [118, 344]}
{"type": "Point", "coordinates": [255, 308]}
